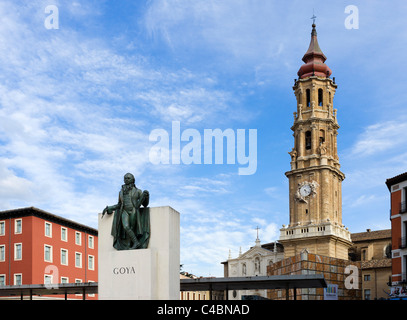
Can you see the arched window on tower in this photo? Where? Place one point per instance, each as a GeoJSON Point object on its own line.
{"type": "Point", "coordinates": [308, 140]}
{"type": "Point", "coordinates": [308, 97]}
{"type": "Point", "coordinates": [321, 137]}
{"type": "Point", "coordinates": [320, 96]}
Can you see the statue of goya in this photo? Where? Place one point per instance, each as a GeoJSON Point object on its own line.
{"type": "Point", "coordinates": [131, 221]}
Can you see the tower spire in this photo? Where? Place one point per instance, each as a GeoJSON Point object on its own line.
{"type": "Point", "coordinates": [314, 58]}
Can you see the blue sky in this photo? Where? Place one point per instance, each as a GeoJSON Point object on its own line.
{"type": "Point", "coordinates": [78, 103]}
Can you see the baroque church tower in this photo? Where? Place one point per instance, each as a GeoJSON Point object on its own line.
{"type": "Point", "coordinates": [315, 178]}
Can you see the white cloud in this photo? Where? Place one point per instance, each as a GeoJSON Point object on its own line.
{"type": "Point", "coordinates": [381, 137]}
{"type": "Point", "coordinates": [226, 26]}
{"type": "Point", "coordinates": [71, 108]}
{"type": "Point", "coordinates": [362, 201]}
{"type": "Point", "coordinates": [190, 105]}
{"type": "Point", "coordinates": [13, 187]}
{"type": "Point", "coordinates": [268, 231]}
{"type": "Point", "coordinates": [209, 246]}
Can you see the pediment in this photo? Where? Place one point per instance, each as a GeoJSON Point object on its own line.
{"type": "Point", "coordinates": [255, 251]}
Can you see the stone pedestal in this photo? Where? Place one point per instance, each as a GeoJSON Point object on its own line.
{"type": "Point", "coordinates": [145, 274]}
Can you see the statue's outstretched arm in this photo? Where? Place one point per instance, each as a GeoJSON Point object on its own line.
{"type": "Point", "coordinates": [110, 209]}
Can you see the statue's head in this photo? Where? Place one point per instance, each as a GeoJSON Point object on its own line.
{"type": "Point", "coordinates": [129, 179]}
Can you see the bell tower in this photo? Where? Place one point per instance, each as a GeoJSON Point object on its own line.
{"type": "Point", "coordinates": [315, 178]}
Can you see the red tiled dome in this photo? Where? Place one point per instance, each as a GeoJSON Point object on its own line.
{"type": "Point", "coordinates": [314, 60]}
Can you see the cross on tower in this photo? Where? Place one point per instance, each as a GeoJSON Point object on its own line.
{"type": "Point", "coordinates": [313, 17]}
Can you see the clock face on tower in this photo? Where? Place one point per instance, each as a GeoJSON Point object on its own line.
{"type": "Point", "coordinates": [305, 190]}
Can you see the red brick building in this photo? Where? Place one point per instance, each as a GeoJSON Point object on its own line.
{"type": "Point", "coordinates": [37, 247]}
{"type": "Point", "coordinates": [398, 216]}
{"type": "Point", "coordinates": [335, 272]}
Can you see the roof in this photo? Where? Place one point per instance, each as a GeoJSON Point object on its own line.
{"type": "Point", "coordinates": [397, 179]}
{"type": "Point", "coordinates": [371, 235]}
{"type": "Point", "coordinates": [32, 211]}
{"type": "Point", "coordinates": [267, 248]}
{"type": "Point", "coordinates": [380, 263]}
{"type": "Point", "coordinates": [270, 246]}
{"type": "Point", "coordinates": [256, 282]}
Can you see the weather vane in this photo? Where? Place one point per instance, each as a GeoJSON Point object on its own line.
{"type": "Point", "coordinates": [313, 16]}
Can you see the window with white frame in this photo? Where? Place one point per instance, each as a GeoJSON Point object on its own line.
{"type": "Point", "coordinates": [64, 257]}
{"type": "Point", "coordinates": [64, 280]}
{"type": "Point", "coordinates": [78, 259]}
{"type": "Point", "coordinates": [18, 226]}
{"type": "Point", "coordinates": [91, 262]}
{"type": "Point", "coordinates": [90, 242]}
{"type": "Point", "coordinates": [47, 253]}
{"type": "Point", "coordinates": [18, 279]}
{"type": "Point", "coordinates": [64, 234]}
{"type": "Point", "coordinates": [18, 251]}
{"type": "Point", "coordinates": [2, 252]}
{"type": "Point", "coordinates": [78, 238]}
{"type": "Point", "coordinates": [2, 228]}
{"type": "Point", "coordinates": [48, 229]}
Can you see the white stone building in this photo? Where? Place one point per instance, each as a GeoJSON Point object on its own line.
{"type": "Point", "coordinates": [251, 263]}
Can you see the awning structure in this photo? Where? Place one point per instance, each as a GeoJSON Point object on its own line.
{"type": "Point", "coordinates": [250, 283]}
{"type": "Point", "coordinates": [49, 289]}
{"type": "Point", "coordinates": [200, 284]}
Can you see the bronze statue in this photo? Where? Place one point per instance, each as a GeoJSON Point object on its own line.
{"type": "Point", "coordinates": [131, 222]}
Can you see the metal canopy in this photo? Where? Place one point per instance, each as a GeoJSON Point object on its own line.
{"type": "Point", "coordinates": [201, 284]}
{"type": "Point", "coordinates": [49, 289]}
{"type": "Point", "coordinates": [259, 282]}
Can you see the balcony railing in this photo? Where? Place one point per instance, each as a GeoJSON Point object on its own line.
{"type": "Point", "coordinates": [403, 207]}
